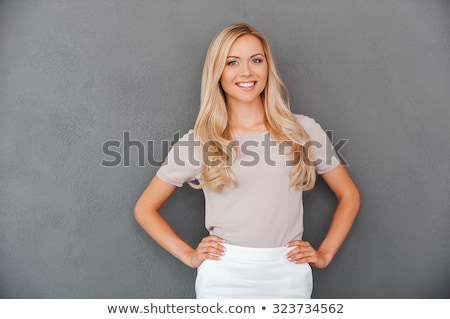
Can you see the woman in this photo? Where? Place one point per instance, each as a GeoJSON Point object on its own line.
{"type": "Point", "coordinates": [253, 159]}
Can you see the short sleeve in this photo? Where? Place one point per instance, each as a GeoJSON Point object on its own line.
{"type": "Point", "coordinates": [182, 163]}
{"type": "Point", "coordinates": [325, 158]}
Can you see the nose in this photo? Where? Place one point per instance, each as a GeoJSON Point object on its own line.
{"type": "Point", "coordinates": [245, 70]}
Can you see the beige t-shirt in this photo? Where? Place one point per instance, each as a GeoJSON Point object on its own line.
{"type": "Point", "coordinates": [262, 211]}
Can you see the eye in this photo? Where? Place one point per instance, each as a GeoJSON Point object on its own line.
{"type": "Point", "coordinates": [232, 62]}
{"type": "Point", "coordinates": [257, 60]}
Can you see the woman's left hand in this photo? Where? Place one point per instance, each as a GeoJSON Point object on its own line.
{"type": "Point", "coordinates": [305, 253]}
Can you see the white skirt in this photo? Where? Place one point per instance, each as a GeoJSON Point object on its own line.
{"type": "Point", "coordinates": [252, 273]}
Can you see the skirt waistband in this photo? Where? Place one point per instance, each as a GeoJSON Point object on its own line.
{"type": "Point", "coordinates": [255, 254]}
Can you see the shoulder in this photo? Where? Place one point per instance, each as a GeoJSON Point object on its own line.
{"type": "Point", "coordinates": [189, 135]}
{"type": "Point", "coordinates": [182, 163]}
{"type": "Point", "coordinates": [324, 155]}
{"type": "Point", "coordinates": [186, 140]}
{"type": "Point", "coordinates": [308, 123]}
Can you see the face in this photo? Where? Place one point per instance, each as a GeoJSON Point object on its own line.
{"type": "Point", "coordinates": [244, 76]}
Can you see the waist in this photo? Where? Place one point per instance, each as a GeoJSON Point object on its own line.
{"type": "Point", "coordinates": [255, 254]}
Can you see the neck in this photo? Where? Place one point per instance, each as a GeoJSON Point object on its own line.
{"type": "Point", "coordinates": [246, 118]}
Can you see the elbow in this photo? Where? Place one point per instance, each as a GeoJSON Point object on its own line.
{"type": "Point", "coordinates": [138, 213]}
{"type": "Point", "coordinates": [142, 212]}
{"type": "Point", "coordinates": [352, 199]}
{"type": "Point", "coordinates": [356, 200]}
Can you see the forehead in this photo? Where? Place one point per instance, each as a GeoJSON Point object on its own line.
{"type": "Point", "coordinates": [246, 45]}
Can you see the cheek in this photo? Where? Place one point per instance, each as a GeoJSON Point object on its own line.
{"type": "Point", "coordinates": [226, 79]}
{"type": "Point", "coordinates": [226, 76]}
{"type": "Point", "coordinates": [264, 76]}
{"type": "Point", "coordinates": [265, 73]}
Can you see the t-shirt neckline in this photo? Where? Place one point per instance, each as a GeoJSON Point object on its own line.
{"type": "Point", "coordinates": [246, 136]}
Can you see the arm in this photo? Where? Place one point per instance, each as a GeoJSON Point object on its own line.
{"type": "Point", "coordinates": [348, 205]}
{"type": "Point", "coordinates": [147, 215]}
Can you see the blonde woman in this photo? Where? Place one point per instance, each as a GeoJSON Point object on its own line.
{"type": "Point", "coordinates": [253, 158]}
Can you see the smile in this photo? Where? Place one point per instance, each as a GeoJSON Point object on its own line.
{"type": "Point", "coordinates": [246, 85]}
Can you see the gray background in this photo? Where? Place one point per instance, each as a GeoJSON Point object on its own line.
{"type": "Point", "coordinates": [75, 74]}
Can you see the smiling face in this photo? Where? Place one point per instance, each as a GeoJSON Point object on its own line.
{"type": "Point", "coordinates": [244, 76]}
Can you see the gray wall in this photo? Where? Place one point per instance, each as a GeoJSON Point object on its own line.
{"type": "Point", "coordinates": [76, 74]}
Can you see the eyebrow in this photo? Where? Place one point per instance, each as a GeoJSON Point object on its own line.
{"type": "Point", "coordinates": [236, 57]}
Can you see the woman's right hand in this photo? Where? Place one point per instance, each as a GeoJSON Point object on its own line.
{"type": "Point", "coordinates": [209, 248]}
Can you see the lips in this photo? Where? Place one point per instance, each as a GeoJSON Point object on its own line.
{"type": "Point", "coordinates": [246, 85]}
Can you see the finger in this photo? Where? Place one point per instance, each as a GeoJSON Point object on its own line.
{"type": "Point", "coordinates": [212, 256]}
{"type": "Point", "coordinates": [213, 250]}
{"type": "Point", "coordinates": [210, 247]}
{"type": "Point", "coordinates": [215, 239]}
{"type": "Point", "coordinates": [299, 243]}
{"type": "Point", "coordinates": [301, 252]}
{"type": "Point", "coordinates": [199, 257]}
{"type": "Point", "coordinates": [293, 243]}
{"type": "Point", "coordinates": [300, 249]}
{"type": "Point", "coordinates": [303, 258]}
{"type": "Point", "coordinates": [213, 244]}
{"type": "Point", "coordinates": [210, 253]}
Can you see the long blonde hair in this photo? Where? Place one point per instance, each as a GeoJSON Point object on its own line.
{"type": "Point", "coordinates": [212, 128]}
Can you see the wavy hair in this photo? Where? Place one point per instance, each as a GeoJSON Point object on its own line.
{"type": "Point", "coordinates": [212, 128]}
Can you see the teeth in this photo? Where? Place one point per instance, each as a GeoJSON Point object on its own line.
{"type": "Point", "coordinates": [246, 84]}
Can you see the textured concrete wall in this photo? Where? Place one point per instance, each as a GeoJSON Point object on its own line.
{"type": "Point", "coordinates": [76, 74]}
